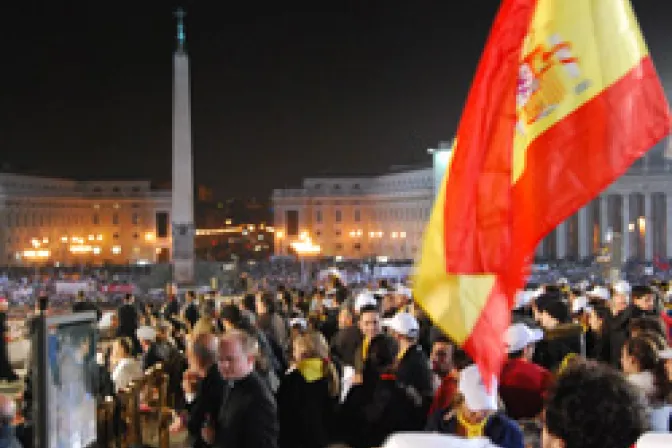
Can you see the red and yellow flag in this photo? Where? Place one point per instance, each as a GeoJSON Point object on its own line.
{"type": "Point", "coordinates": [564, 100]}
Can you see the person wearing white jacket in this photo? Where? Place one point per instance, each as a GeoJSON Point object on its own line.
{"type": "Point", "coordinates": [125, 368]}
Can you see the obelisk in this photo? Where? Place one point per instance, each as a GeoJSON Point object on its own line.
{"type": "Point", "coordinates": [183, 190]}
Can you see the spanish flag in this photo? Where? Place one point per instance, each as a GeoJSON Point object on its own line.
{"type": "Point", "coordinates": [564, 100]}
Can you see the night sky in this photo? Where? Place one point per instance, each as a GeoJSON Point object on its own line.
{"type": "Point", "coordinates": [280, 89]}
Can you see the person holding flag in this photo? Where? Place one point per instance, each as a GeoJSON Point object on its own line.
{"type": "Point", "coordinates": [564, 100]}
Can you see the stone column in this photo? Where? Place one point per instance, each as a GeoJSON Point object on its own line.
{"type": "Point", "coordinates": [561, 240]}
{"type": "Point", "coordinates": [648, 229]}
{"type": "Point", "coordinates": [626, 226]}
{"type": "Point", "coordinates": [668, 223]}
{"type": "Point", "coordinates": [584, 247]}
{"type": "Point", "coordinates": [604, 218]}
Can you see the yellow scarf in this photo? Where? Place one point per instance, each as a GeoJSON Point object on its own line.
{"type": "Point", "coordinates": [473, 430]}
{"type": "Point", "coordinates": [312, 369]}
{"type": "Point", "coordinates": [401, 354]}
{"type": "Point", "coordinates": [365, 347]}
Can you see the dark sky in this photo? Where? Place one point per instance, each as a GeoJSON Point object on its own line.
{"type": "Point", "coordinates": [280, 89]}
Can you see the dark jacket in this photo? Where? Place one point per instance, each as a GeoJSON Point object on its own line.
{"type": "Point", "coordinates": [205, 405]}
{"type": "Point", "coordinates": [82, 306]}
{"type": "Point", "coordinates": [248, 416]}
{"type": "Point", "coordinates": [413, 370]}
{"type": "Point", "coordinates": [128, 320]}
{"type": "Point", "coordinates": [373, 411]}
{"type": "Point", "coordinates": [557, 344]}
{"type": "Point", "coordinates": [305, 412]}
{"type": "Point", "coordinates": [151, 357]}
{"type": "Point", "coordinates": [191, 314]}
{"type": "Point", "coordinates": [171, 309]}
{"type": "Point", "coordinates": [501, 430]}
{"type": "Point", "coordinates": [8, 439]}
{"type": "Point", "coordinates": [344, 345]}
{"type": "Point", "coordinates": [6, 371]}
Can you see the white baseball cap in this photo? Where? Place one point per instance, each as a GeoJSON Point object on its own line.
{"type": "Point", "coordinates": [146, 333]}
{"type": "Point", "coordinates": [579, 304]}
{"type": "Point", "coordinates": [665, 354]}
{"type": "Point", "coordinates": [622, 287]}
{"type": "Point", "coordinates": [599, 292]}
{"type": "Point", "coordinates": [404, 324]}
{"type": "Point", "coordinates": [519, 336]}
{"type": "Point", "coordinates": [476, 396]}
{"type": "Point", "coordinates": [435, 440]}
{"type": "Point", "coordinates": [364, 298]}
{"type": "Point", "coordinates": [298, 321]}
{"type": "Point", "coordinates": [404, 291]}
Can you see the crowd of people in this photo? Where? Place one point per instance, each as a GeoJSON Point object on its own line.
{"type": "Point", "coordinates": [588, 366]}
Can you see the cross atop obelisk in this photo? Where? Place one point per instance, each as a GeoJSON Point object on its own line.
{"type": "Point", "coordinates": [183, 183]}
{"type": "Point", "coordinates": [181, 35]}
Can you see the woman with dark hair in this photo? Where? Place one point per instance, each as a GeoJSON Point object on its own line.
{"type": "Point", "coordinates": [380, 405]}
{"type": "Point", "coordinates": [645, 370]}
{"type": "Point", "coordinates": [593, 406]}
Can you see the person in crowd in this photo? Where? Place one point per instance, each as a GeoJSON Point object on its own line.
{"type": "Point", "coordinates": [128, 322]}
{"type": "Point", "coordinates": [523, 383]}
{"type": "Point", "coordinates": [445, 373]}
{"type": "Point", "coordinates": [247, 417]}
{"type": "Point", "coordinates": [206, 322]}
{"type": "Point", "coordinates": [269, 367]}
{"type": "Point", "coordinates": [269, 321]}
{"type": "Point", "coordinates": [369, 325]}
{"type": "Point", "coordinates": [7, 416]}
{"type": "Point", "coordinates": [345, 342]}
{"type": "Point", "coordinates": [190, 312]}
{"type": "Point", "coordinates": [171, 309]}
{"type": "Point", "coordinates": [380, 405]}
{"type": "Point", "coordinates": [308, 394]}
{"type": "Point", "coordinates": [643, 302]}
{"type": "Point", "coordinates": [597, 316]}
{"type": "Point", "coordinates": [150, 353]}
{"type": "Point", "coordinates": [82, 305]}
{"type": "Point", "coordinates": [412, 367]}
{"type": "Point", "coordinates": [6, 371]}
{"type": "Point", "coordinates": [125, 368]}
{"type": "Point", "coordinates": [476, 415]}
{"type": "Point", "coordinates": [562, 337]}
{"type": "Point", "coordinates": [648, 323]}
{"type": "Point", "coordinates": [203, 387]}
{"type": "Point", "coordinates": [592, 406]}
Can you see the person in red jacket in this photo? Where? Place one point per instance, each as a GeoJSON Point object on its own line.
{"type": "Point", "coordinates": [523, 383]}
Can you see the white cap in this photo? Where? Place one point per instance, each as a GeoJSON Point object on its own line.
{"type": "Point", "coordinates": [363, 299]}
{"type": "Point", "coordinates": [381, 292]}
{"type": "Point", "coordinates": [404, 324]}
{"type": "Point", "coordinates": [579, 304]}
{"type": "Point", "coordinates": [622, 287]}
{"type": "Point", "coordinates": [519, 336]}
{"type": "Point", "coordinates": [665, 354]}
{"type": "Point", "coordinates": [476, 396]}
{"type": "Point", "coordinates": [599, 292]}
{"type": "Point", "coordinates": [404, 291]}
{"type": "Point", "coordinates": [563, 281]}
{"type": "Point", "coordinates": [146, 334]}
{"type": "Point", "coordinates": [435, 440]}
{"type": "Point", "coordinates": [523, 298]}
{"type": "Point", "coordinates": [298, 321]}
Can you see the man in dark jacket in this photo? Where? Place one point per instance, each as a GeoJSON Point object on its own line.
{"type": "Point", "coordinates": [191, 313]}
{"type": "Point", "coordinates": [6, 370]}
{"type": "Point", "coordinates": [203, 386]}
{"type": "Point", "coordinates": [248, 415]}
{"type": "Point", "coordinates": [345, 342]}
{"type": "Point", "coordinates": [127, 315]}
{"type": "Point", "coordinates": [82, 305]}
{"type": "Point", "coordinates": [412, 364]}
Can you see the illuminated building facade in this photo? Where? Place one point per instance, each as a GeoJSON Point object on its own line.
{"type": "Point", "coordinates": [67, 222]}
{"type": "Point", "coordinates": [357, 217]}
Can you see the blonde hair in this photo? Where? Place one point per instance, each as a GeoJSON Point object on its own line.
{"type": "Point", "coordinates": [314, 345]}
